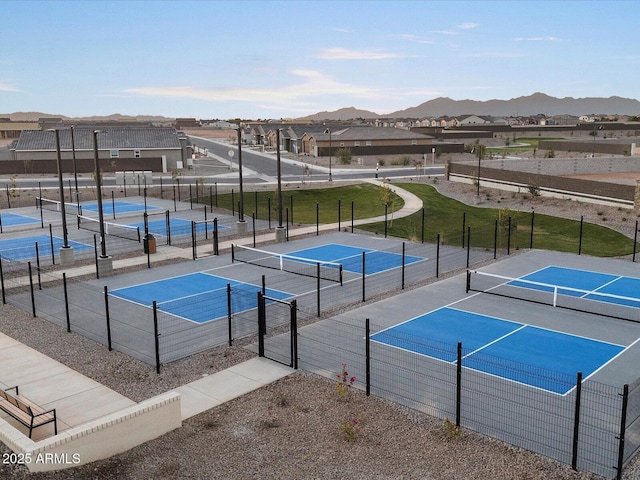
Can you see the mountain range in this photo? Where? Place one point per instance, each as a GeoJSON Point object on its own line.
{"type": "Point", "coordinates": [535, 104]}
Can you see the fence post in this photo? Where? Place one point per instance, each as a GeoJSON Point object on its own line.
{"type": "Point", "coordinates": [253, 223]}
{"type": "Point", "coordinates": [367, 328]}
{"type": "Point", "coordinates": [386, 211]}
{"type": "Point", "coordinates": [269, 211]}
{"type": "Point", "coordinates": [495, 240]}
{"type": "Point", "coordinates": [317, 219]}
{"type": "Point", "coordinates": [156, 336]}
{"type": "Point", "coordinates": [318, 286]}
{"type": "Point", "coordinates": [293, 309]}
{"type": "Point", "coordinates": [352, 216]}
{"type": "Point", "coordinates": [623, 427]}
{"type": "Point", "coordinates": [95, 255]}
{"type": "Point", "coordinates": [576, 421]}
{"type": "Point", "coordinates": [38, 267]}
{"type": "Point", "coordinates": [194, 253]}
{"type": "Point", "coordinates": [190, 197]}
{"type": "Point", "coordinates": [403, 264]}
{"type": "Point", "coordinates": [4, 297]}
{"type": "Point", "coordinates": [464, 223]}
{"type": "Point", "coordinates": [216, 250]}
{"type": "Point", "coordinates": [229, 313]}
{"type": "Point", "coordinates": [468, 245]}
{"type": "Point", "coordinates": [580, 239]}
{"type": "Point", "coordinates": [291, 203]}
{"type": "Point", "coordinates": [33, 298]}
{"type": "Point", "coordinates": [635, 241]}
{"type": "Point", "coordinates": [509, 236]}
{"type": "Point", "coordinates": [422, 228]}
{"type": "Point", "coordinates": [437, 255]}
{"type": "Point", "coordinates": [108, 316]}
{"type": "Point", "coordinates": [531, 234]}
{"type": "Point", "coordinates": [66, 300]}
{"type": "Point", "coordinates": [339, 211]}
{"type": "Point", "coordinates": [53, 255]}
{"type": "Point", "coordinates": [363, 277]}
{"type": "Point", "coordinates": [262, 327]}
{"type": "Point", "coordinates": [458, 384]}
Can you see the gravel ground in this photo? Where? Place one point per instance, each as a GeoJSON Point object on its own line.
{"type": "Point", "coordinates": [297, 427]}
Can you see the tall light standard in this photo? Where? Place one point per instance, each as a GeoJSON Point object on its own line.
{"type": "Point", "coordinates": [328, 130]}
{"type": "Point", "coordinates": [280, 231]}
{"type": "Point", "coordinates": [66, 253]}
{"type": "Point", "coordinates": [242, 225]}
{"type": "Point", "coordinates": [105, 264]}
{"type": "Point", "coordinates": [75, 168]}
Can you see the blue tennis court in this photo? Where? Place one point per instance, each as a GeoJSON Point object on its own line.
{"type": "Point", "coordinates": [351, 257]}
{"type": "Point", "coordinates": [197, 297]}
{"type": "Point", "coordinates": [24, 248]}
{"type": "Point", "coordinates": [108, 208]}
{"type": "Point", "coordinates": [585, 284]}
{"type": "Point", "coordinates": [436, 334]}
{"type": "Point", "coordinates": [11, 219]}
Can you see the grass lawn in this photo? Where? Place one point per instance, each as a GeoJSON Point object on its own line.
{"type": "Point", "coordinates": [305, 206]}
{"type": "Point", "coordinates": [445, 216]}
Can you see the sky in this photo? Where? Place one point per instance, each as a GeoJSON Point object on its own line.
{"type": "Point", "coordinates": [286, 59]}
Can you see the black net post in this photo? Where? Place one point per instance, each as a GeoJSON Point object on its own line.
{"type": "Point", "coordinates": [66, 301]}
{"type": "Point", "coordinates": [339, 216]}
{"type": "Point", "coordinates": [509, 236]}
{"type": "Point", "coordinates": [623, 428]}
{"type": "Point", "coordinates": [580, 236]}
{"type": "Point", "coordinates": [113, 203]}
{"type": "Point", "coordinates": [458, 384]}
{"type": "Point", "coordinates": [33, 298]}
{"type": "Point", "coordinates": [468, 284]}
{"type": "Point", "coordinates": [168, 225]}
{"type": "Point", "coordinates": [367, 336]}
{"type": "Point", "coordinates": [576, 422]}
{"type": "Point", "coordinates": [229, 314]}
{"type": "Point", "coordinates": [363, 277]}
{"type": "Point", "coordinates": [106, 312]}
{"type": "Point", "coordinates": [317, 219]}
{"type": "Point", "coordinates": [156, 336]}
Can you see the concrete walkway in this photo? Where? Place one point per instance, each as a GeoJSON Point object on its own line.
{"type": "Point", "coordinates": [78, 399]}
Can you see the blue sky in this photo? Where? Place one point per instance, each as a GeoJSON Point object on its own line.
{"type": "Point", "coordinates": [263, 59]}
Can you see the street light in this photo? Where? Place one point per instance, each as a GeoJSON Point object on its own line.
{"type": "Point", "coordinates": [75, 169]}
{"type": "Point", "coordinates": [103, 245]}
{"type": "Point", "coordinates": [60, 186]}
{"type": "Point", "coordinates": [328, 130]}
{"type": "Point", "coordinates": [241, 207]}
{"type": "Point", "coordinates": [279, 178]}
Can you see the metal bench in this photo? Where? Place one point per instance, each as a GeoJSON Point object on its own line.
{"type": "Point", "coordinates": [25, 411]}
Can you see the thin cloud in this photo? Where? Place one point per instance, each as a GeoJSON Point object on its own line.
{"type": "Point", "coordinates": [346, 54]}
{"type": "Point", "coordinates": [446, 32]}
{"type": "Point", "coordinates": [493, 55]}
{"type": "Point", "coordinates": [537, 39]}
{"type": "Point", "coordinates": [467, 25]}
{"type": "Point", "coordinates": [7, 88]}
{"type": "Point", "coordinates": [341, 30]}
{"type": "Point", "coordinates": [415, 38]}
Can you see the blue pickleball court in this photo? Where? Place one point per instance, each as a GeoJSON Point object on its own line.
{"type": "Point", "coordinates": [350, 257]}
{"type": "Point", "coordinates": [24, 248]}
{"type": "Point", "coordinates": [10, 219]}
{"type": "Point", "coordinates": [485, 339]}
{"type": "Point", "coordinates": [197, 297]}
{"type": "Point", "coordinates": [177, 227]}
{"type": "Point", "coordinates": [108, 207]}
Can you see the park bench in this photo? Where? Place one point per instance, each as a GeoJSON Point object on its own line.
{"type": "Point", "coordinates": [25, 411]}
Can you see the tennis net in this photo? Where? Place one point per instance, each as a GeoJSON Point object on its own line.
{"type": "Point", "coordinates": [588, 301]}
{"type": "Point", "coordinates": [128, 232]}
{"type": "Point", "coordinates": [56, 206]}
{"type": "Point", "coordinates": [309, 267]}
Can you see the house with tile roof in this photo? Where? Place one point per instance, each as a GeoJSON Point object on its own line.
{"type": "Point", "coordinates": [159, 149]}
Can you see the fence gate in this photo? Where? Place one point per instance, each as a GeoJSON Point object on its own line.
{"type": "Point", "coordinates": [277, 330]}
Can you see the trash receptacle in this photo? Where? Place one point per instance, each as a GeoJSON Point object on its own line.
{"type": "Point", "coordinates": [149, 243]}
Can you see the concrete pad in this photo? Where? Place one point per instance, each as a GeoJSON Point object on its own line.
{"type": "Point", "coordinates": [224, 386]}
{"type": "Point", "coordinates": [261, 370]}
{"type": "Point", "coordinates": [89, 405]}
{"type": "Point", "coordinates": [193, 402]}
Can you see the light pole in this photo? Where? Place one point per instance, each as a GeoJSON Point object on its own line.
{"type": "Point", "coordinates": [328, 130]}
{"type": "Point", "coordinates": [66, 252]}
{"type": "Point", "coordinates": [103, 245]}
{"type": "Point", "coordinates": [75, 169]}
{"type": "Point", "coordinates": [242, 226]}
{"type": "Point", "coordinates": [478, 182]}
{"type": "Point", "coordinates": [280, 231]}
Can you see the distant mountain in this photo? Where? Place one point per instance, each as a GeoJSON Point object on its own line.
{"type": "Point", "coordinates": [116, 117]}
{"type": "Point", "coordinates": [538, 103]}
{"type": "Point", "coordinates": [348, 113]}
